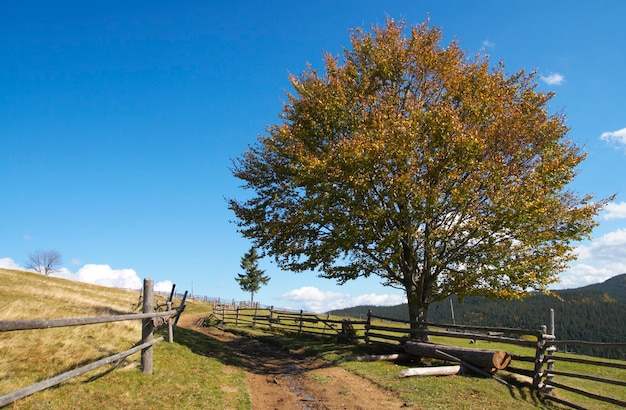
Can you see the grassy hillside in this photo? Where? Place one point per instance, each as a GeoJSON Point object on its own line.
{"type": "Point", "coordinates": [188, 374]}
{"type": "Point", "coordinates": [34, 355]}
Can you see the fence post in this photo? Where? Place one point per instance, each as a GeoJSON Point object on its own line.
{"type": "Point", "coordinates": [538, 373]}
{"type": "Point", "coordinates": [170, 330]}
{"type": "Point", "coordinates": [300, 329]}
{"type": "Point", "coordinates": [147, 327]}
{"type": "Point", "coordinates": [237, 317]}
{"type": "Point", "coordinates": [256, 312]}
{"type": "Point", "coordinates": [367, 326]}
{"type": "Point", "coordinates": [270, 318]}
{"type": "Point", "coordinates": [549, 358]}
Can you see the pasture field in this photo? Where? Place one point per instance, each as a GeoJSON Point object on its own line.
{"type": "Point", "coordinates": [200, 372]}
{"type": "Point", "coordinates": [432, 393]}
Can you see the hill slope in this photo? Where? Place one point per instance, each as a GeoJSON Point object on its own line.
{"type": "Point", "coordinates": [592, 313]}
{"type": "Point", "coordinates": [31, 356]}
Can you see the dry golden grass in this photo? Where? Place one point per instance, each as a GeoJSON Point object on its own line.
{"type": "Point", "coordinates": [29, 356]}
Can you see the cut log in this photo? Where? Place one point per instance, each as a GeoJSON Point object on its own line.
{"type": "Point", "coordinates": [483, 358]}
{"type": "Point", "coordinates": [474, 368]}
{"type": "Point", "coordinates": [377, 357]}
{"type": "Point", "coordinates": [431, 371]}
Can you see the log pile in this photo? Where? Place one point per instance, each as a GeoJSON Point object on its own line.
{"type": "Point", "coordinates": [488, 360]}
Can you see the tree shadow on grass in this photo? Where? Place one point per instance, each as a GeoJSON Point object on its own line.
{"type": "Point", "coordinates": [204, 345]}
{"type": "Point", "coordinates": [259, 355]}
{"type": "Point", "coordinates": [523, 391]}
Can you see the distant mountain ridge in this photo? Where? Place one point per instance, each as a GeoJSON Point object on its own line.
{"type": "Point", "coordinates": [614, 287]}
{"type": "Point", "coordinates": [593, 313]}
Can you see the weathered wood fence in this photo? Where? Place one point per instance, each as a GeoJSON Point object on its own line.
{"type": "Point", "coordinates": [394, 333]}
{"type": "Point", "coordinates": [150, 319]}
{"type": "Point", "coordinates": [294, 321]}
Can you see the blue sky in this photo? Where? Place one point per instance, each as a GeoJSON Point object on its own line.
{"type": "Point", "coordinates": [119, 121]}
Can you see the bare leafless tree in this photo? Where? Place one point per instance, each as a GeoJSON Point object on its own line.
{"type": "Point", "coordinates": [44, 262]}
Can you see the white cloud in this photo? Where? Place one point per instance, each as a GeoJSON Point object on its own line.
{"type": "Point", "coordinates": [607, 249]}
{"type": "Point", "coordinates": [615, 211]}
{"type": "Point", "coordinates": [583, 275]}
{"type": "Point", "coordinates": [165, 286]}
{"type": "Point", "coordinates": [313, 299]}
{"type": "Point", "coordinates": [615, 137]}
{"type": "Point", "coordinates": [8, 263]}
{"type": "Point", "coordinates": [379, 300]}
{"type": "Point", "coordinates": [602, 259]}
{"type": "Point", "coordinates": [103, 275]}
{"type": "Point", "coordinates": [553, 79]}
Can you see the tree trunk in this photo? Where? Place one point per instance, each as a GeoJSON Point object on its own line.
{"type": "Point", "coordinates": [418, 315]}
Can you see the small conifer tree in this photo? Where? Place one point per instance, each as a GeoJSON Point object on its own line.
{"type": "Point", "coordinates": [252, 277]}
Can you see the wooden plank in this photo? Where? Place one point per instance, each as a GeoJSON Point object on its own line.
{"type": "Point", "coordinates": [522, 372]}
{"type": "Point", "coordinates": [510, 330]}
{"type": "Point", "coordinates": [180, 309]}
{"type": "Point", "coordinates": [11, 325]}
{"type": "Point", "coordinates": [27, 391]}
{"type": "Point", "coordinates": [475, 336]}
{"type": "Point", "coordinates": [588, 361]}
{"type": "Point", "coordinates": [585, 376]}
{"type": "Point", "coordinates": [553, 384]}
{"type": "Point", "coordinates": [387, 337]}
{"type": "Point", "coordinates": [377, 357]}
{"type": "Point", "coordinates": [584, 343]}
{"type": "Point", "coordinates": [529, 359]}
{"type": "Point", "coordinates": [390, 329]}
{"type": "Point", "coordinates": [469, 336]}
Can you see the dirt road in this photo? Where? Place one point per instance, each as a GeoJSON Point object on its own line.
{"type": "Point", "coordinates": [281, 379]}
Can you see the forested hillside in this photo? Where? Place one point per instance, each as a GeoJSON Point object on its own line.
{"type": "Point", "coordinates": [592, 313]}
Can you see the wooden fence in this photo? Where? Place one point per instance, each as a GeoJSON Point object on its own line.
{"type": "Point", "coordinates": [149, 318]}
{"type": "Point", "coordinates": [393, 333]}
{"type": "Point", "coordinates": [294, 321]}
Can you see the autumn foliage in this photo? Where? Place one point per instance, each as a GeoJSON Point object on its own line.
{"type": "Point", "coordinates": [409, 160]}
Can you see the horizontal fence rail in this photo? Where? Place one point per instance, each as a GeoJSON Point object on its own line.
{"type": "Point", "coordinates": [270, 318]}
{"type": "Point", "coordinates": [584, 343]}
{"type": "Point", "coordinates": [11, 325]}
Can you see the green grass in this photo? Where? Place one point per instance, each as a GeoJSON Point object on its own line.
{"type": "Point", "coordinates": [461, 392]}
{"type": "Point", "coordinates": [183, 378]}
{"type": "Point", "coordinates": [197, 372]}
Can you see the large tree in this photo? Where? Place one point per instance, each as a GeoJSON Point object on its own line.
{"type": "Point", "coordinates": [252, 277]}
{"type": "Point", "coordinates": [44, 262]}
{"type": "Point", "coordinates": [409, 160]}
